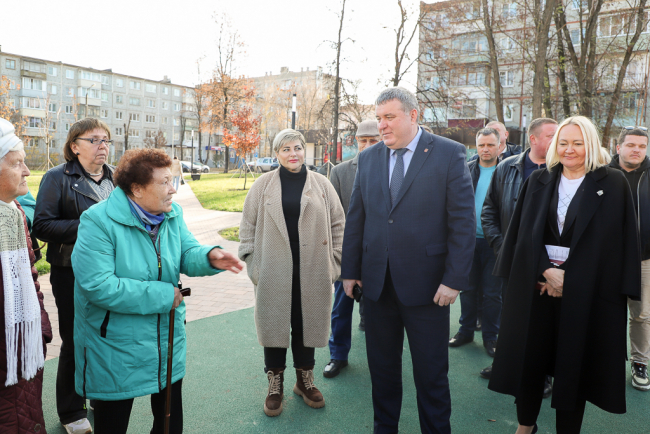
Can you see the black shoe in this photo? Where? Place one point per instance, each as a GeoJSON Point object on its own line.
{"type": "Point", "coordinates": [486, 372]}
{"type": "Point", "coordinates": [460, 339]}
{"type": "Point", "coordinates": [479, 325]}
{"type": "Point", "coordinates": [548, 386]}
{"type": "Point", "coordinates": [333, 368]}
{"type": "Point", "coordinates": [490, 347]}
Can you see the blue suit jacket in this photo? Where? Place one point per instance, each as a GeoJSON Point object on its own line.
{"type": "Point", "coordinates": [427, 237]}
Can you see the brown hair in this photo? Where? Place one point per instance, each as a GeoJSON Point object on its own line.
{"type": "Point", "coordinates": [77, 130]}
{"type": "Point", "coordinates": [633, 132]}
{"type": "Point", "coordinates": [137, 165]}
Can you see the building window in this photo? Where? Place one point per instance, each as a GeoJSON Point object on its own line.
{"type": "Point", "coordinates": [105, 80]}
{"type": "Point", "coordinates": [53, 89]}
{"type": "Point", "coordinates": [119, 82]}
{"type": "Point", "coordinates": [150, 88]}
{"type": "Point", "coordinates": [134, 133]}
{"type": "Point", "coordinates": [134, 117]}
{"type": "Point", "coordinates": [51, 108]}
{"type": "Point", "coordinates": [92, 76]}
{"type": "Point", "coordinates": [67, 126]}
{"type": "Point", "coordinates": [508, 110]}
{"type": "Point", "coordinates": [32, 66]}
{"type": "Point", "coordinates": [52, 126]}
{"type": "Point", "coordinates": [104, 113]}
{"type": "Point", "coordinates": [135, 85]}
{"type": "Point", "coordinates": [68, 110]}
{"type": "Point", "coordinates": [10, 64]}
{"type": "Point", "coordinates": [165, 90]}
{"type": "Point", "coordinates": [91, 92]}
{"type": "Point", "coordinates": [469, 44]}
{"type": "Point", "coordinates": [177, 107]}
{"type": "Point", "coordinates": [70, 92]}
{"type": "Point", "coordinates": [150, 133]}
{"type": "Point", "coordinates": [177, 136]}
{"type": "Point", "coordinates": [69, 73]}
{"type": "Point", "coordinates": [105, 96]}
{"type": "Point", "coordinates": [151, 103]}
{"type": "Point", "coordinates": [509, 10]}
{"type": "Point", "coordinates": [119, 131]}
{"type": "Point", "coordinates": [507, 78]}
{"type": "Point", "coordinates": [12, 85]}
{"type": "Point", "coordinates": [53, 71]}
{"type": "Point", "coordinates": [468, 78]}
{"type": "Point", "coordinates": [177, 92]}
{"type": "Point", "coordinates": [34, 122]}
{"type": "Point", "coordinates": [165, 105]}
{"type": "Point", "coordinates": [52, 143]}
{"type": "Point", "coordinates": [150, 119]}
{"type": "Point", "coordinates": [134, 101]}
{"type": "Point", "coordinates": [119, 99]}
{"type": "Point", "coordinates": [119, 115]}
{"type": "Point", "coordinates": [177, 122]}
{"type": "Point", "coordinates": [32, 142]}
{"type": "Point", "coordinates": [164, 121]}
{"type": "Point", "coordinates": [33, 103]}
{"type": "Point", "coordinates": [33, 84]}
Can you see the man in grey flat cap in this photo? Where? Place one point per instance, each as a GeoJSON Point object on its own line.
{"type": "Point", "coordinates": [342, 177]}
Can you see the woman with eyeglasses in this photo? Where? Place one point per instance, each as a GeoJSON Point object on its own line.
{"type": "Point", "coordinates": [66, 192]}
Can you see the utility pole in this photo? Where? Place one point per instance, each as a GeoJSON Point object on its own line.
{"type": "Point", "coordinates": [293, 112]}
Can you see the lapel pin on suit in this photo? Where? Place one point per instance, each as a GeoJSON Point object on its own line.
{"type": "Point", "coordinates": [426, 149]}
{"type": "Point", "coordinates": [599, 192]}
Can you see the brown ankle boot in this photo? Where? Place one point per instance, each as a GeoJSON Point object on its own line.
{"type": "Point", "coordinates": [273, 402]}
{"type": "Point", "coordinates": [305, 387]}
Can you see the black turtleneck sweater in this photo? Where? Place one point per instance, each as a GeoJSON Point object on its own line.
{"type": "Point", "coordinates": [292, 186]}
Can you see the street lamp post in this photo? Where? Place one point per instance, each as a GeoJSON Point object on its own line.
{"type": "Point", "coordinates": [192, 156]}
{"type": "Point", "coordinates": [523, 133]}
{"type": "Point", "coordinates": [87, 92]}
{"type": "Point", "coordinates": [293, 113]}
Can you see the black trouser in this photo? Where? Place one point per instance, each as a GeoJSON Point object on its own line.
{"type": "Point", "coordinates": [543, 331]}
{"type": "Point", "coordinates": [112, 417]}
{"type": "Point", "coordinates": [302, 356]}
{"type": "Point", "coordinates": [69, 405]}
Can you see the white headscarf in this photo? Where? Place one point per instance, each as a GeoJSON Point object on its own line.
{"type": "Point", "coordinates": [8, 140]}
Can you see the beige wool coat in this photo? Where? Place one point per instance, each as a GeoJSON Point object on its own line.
{"type": "Point", "coordinates": [265, 249]}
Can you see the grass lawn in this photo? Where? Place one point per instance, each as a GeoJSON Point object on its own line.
{"type": "Point", "coordinates": [221, 192]}
{"type": "Point", "coordinates": [231, 234]}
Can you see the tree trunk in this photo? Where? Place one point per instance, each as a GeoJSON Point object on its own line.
{"type": "Point", "coordinates": [548, 108]}
{"type": "Point", "coordinates": [494, 64]}
{"type": "Point", "coordinates": [613, 105]}
{"type": "Point", "coordinates": [542, 25]}
{"type": "Point", "coordinates": [561, 64]}
{"type": "Point", "coordinates": [335, 127]}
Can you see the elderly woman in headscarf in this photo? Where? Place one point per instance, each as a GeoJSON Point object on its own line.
{"type": "Point", "coordinates": [26, 324]}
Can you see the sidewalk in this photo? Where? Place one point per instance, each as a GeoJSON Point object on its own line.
{"type": "Point", "coordinates": [212, 295]}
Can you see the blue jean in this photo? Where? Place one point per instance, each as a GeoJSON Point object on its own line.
{"type": "Point", "coordinates": [177, 182]}
{"type": "Point", "coordinates": [341, 337]}
{"type": "Point", "coordinates": [480, 277]}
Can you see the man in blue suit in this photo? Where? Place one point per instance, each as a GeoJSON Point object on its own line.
{"type": "Point", "coordinates": [409, 243]}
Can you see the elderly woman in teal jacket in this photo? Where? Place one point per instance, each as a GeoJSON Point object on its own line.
{"type": "Point", "coordinates": [130, 251]}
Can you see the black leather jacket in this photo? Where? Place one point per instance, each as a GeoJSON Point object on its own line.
{"type": "Point", "coordinates": [642, 193]}
{"type": "Point", "coordinates": [501, 199]}
{"type": "Point", "coordinates": [64, 194]}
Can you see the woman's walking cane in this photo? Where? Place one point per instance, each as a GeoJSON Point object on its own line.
{"type": "Point", "coordinates": [170, 353]}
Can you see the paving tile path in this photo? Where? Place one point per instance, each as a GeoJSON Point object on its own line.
{"type": "Point", "coordinates": [212, 295]}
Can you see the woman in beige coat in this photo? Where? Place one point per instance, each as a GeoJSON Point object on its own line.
{"type": "Point", "coordinates": [177, 172]}
{"type": "Point", "coordinates": [291, 237]}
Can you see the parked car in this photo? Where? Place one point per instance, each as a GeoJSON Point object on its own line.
{"type": "Point", "coordinates": [265, 164]}
{"type": "Point", "coordinates": [198, 167]}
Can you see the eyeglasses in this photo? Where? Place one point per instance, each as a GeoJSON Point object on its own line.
{"type": "Point", "coordinates": [631, 127]}
{"type": "Point", "coordinates": [97, 142]}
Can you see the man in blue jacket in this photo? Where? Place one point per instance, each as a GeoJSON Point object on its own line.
{"type": "Point", "coordinates": [409, 241]}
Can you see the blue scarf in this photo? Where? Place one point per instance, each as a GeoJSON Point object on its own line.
{"type": "Point", "coordinates": [148, 220]}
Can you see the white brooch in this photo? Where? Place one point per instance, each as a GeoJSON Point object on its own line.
{"type": "Point", "coordinates": [600, 192]}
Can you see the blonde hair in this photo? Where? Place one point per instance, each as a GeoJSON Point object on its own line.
{"type": "Point", "coordinates": [594, 157]}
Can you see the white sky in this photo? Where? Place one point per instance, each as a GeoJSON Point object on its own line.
{"type": "Point", "coordinates": [154, 38]}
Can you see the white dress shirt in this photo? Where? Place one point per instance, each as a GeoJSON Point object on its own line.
{"type": "Point", "coordinates": [406, 157]}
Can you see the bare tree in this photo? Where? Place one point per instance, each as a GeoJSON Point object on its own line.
{"type": "Point", "coordinates": [542, 16]}
{"type": "Point", "coordinates": [403, 39]}
{"type": "Point", "coordinates": [158, 140]}
{"type": "Point", "coordinates": [337, 84]}
{"type": "Point", "coordinates": [494, 62]}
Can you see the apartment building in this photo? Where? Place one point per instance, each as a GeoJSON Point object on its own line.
{"type": "Point", "coordinates": [51, 96]}
{"type": "Point", "coordinates": [455, 84]}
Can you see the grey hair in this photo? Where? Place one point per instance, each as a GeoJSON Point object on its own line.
{"type": "Point", "coordinates": [406, 97]}
{"type": "Point", "coordinates": [487, 131]}
{"type": "Point", "coordinates": [287, 136]}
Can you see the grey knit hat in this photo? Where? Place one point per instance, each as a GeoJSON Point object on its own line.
{"type": "Point", "coordinates": [367, 129]}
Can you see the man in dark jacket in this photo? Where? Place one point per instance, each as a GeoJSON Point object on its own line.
{"type": "Point", "coordinates": [506, 149]}
{"type": "Point", "coordinates": [483, 286]}
{"type": "Point", "coordinates": [504, 190]}
{"type": "Point", "coordinates": [635, 165]}
{"type": "Point", "coordinates": [342, 178]}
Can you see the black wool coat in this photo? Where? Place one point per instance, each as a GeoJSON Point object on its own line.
{"type": "Point", "coordinates": [602, 270]}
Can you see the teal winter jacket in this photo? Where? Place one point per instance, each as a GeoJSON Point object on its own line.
{"type": "Point", "coordinates": [124, 290]}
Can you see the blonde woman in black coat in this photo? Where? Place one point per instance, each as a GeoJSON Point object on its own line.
{"type": "Point", "coordinates": [571, 255]}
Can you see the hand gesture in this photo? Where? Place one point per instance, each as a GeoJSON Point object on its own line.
{"type": "Point", "coordinates": [554, 282]}
{"type": "Point", "coordinates": [225, 261]}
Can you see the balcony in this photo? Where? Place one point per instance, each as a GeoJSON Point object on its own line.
{"type": "Point", "coordinates": [33, 74]}
{"type": "Point", "coordinates": [630, 82]}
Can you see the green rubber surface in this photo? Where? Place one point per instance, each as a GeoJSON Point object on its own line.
{"type": "Point", "coordinates": [225, 387]}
